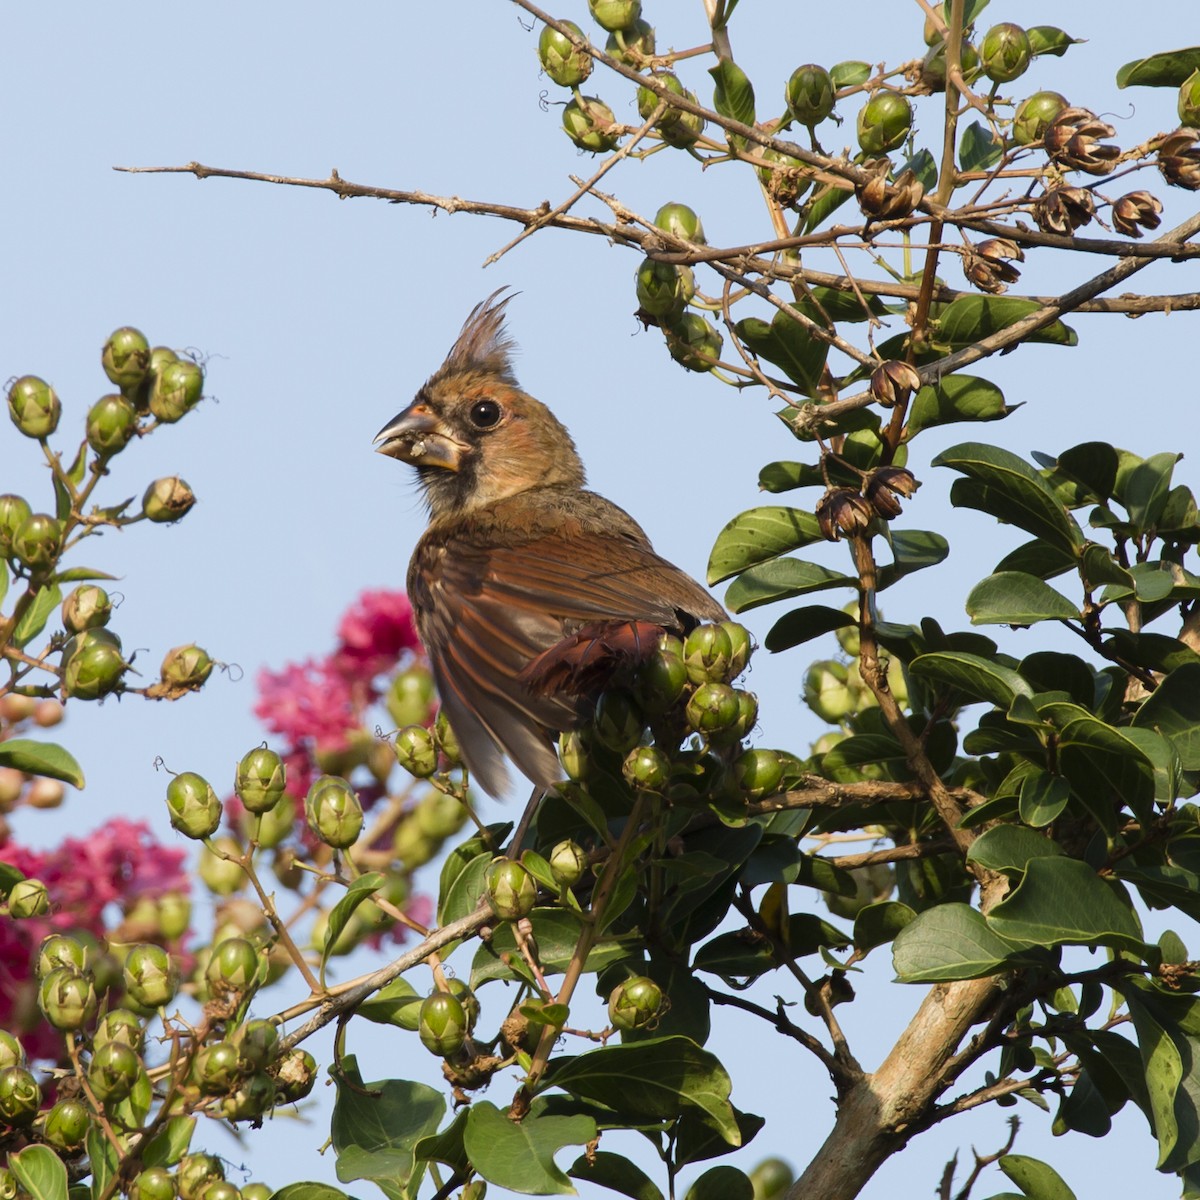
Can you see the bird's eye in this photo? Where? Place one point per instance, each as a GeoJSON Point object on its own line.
{"type": "Point", "coordinates": [485, 414]}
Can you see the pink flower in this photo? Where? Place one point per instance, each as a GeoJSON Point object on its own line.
{"type": "Point", "coordinates": [308, 701]}
{"type": "Point", "coordinates": [374, 633]}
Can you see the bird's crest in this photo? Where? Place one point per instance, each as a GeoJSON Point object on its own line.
{"type": "Point", "coordinates": [484, 344]}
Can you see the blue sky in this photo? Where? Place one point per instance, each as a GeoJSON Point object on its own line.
{"type": "Point", "coordinates": [322, 317]}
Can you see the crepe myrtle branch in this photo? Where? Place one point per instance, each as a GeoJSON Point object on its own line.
{"type": "Point", "coordinates": [982, 1161]}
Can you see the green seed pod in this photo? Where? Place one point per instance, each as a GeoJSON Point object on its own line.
{"type": "Point", "coordinates": [92, 665]}
{"type": "Point", "coordinates": [186, 667]}
{"type": "Point", "coordinates": [333, 811]}
{"type": "Point", "coordinates": [14, 512]}
{"type": "Point", "coordinates": [126, 357]}
{"type": "Point", "coordinates": [467, 998]}
{"type": "Point", "coordinates": [785, 185]}
{"type": "Point", "coordinates": [59, 950]}
{"type": "Point", "coordinates": [216, 1069]}
{"type": "Point", "coordinates": [218, 868]}
{"type": "Point", "coordinates": [410, 698]}
{"type": "Point", "coordinates": [694, 342]}
{"type": "Point", "coordinates": [746, 719]}
{"type": "Point", "coordinates": [67, 999]}
{"type": "Point", "coordinates": [447, 743]}
{"type": "Point", "coordinates": [151, 976]}
{"type": "Point", "coordinates": [566, 65]}
{"type": "Point", "coordinates": [1005, 53]}
{"type": "Point", "coordinates": [262, 1191]}
{"type": "Point", "coordinates": [681, 129]}
{"type": "Point", "coordinates": [575, 754]}
{"type": "Point", "coordinates": [590, 124]}
{"type": "Point", "coordinates": [742, 646]}
{"type": "Point", "coordinates": [119, 1025]}
{"type": "Point", "coordinates": [86, 607]}
{"type": "Point", "coordinates": [848, 636]}
{"type": "Point", "coordinates": [442, 1024]}
{"type": "Point", "coordinates": [154, 1183]}
{"type": "Point", "coordinates": [256, 1042]}
{"type": "Point", "coordinates": [174, 915]}
{"type": "Point", "coordinates": [635, 1004]}
{"type": "Point", "coordinates": [28, 898]}
{"type": "Point", "coordinates": [618, 723]}
{"type": "Point", "coordinates": [295, 1075]}
{"type": "Point", "coordinates": [111, 424]}
{"type": "Point", "coordinates": [416, 752]}
{"type": "Point", "coordinates": [260, 780]}
{"type": "Point", "coordinates": [758, 773]}
{"type": "Point", "coordinates": [12, 1053]}
{"type": "Point", "coordinates": [663, 289]}
{"type": "Point", "coordinates": [1189, 100]}
{"type": "Point", "coordinates": [67, 1125]}
{"type": "Point", "coordinates": [681, 221]}
{"type": "Point", "coordinates": [933, 65]}
{"type": "Point", "coordinates": [475, 1190]}
{"type": "Point", "coordinates": [511, 889]}
{"type": "Point", "coordinates": [36, 542]}
{"type": "Point", "coordinates": [20, 1096]}
{"type": "Point", "coordinates": [412, 847]}
{"type": "Point", "coordinates": [771, 1178]}
{"type": "Point", "coordinates": [1034, 114]}
{"type": "Point", "coordinates": [646, 769]}
{"type": "Point", "coordinates": [826, 691]}
{"type": "Point", "coordinates": [222, 1189]}
{"type": "Point", "coordinates": [195, 1172]}
{"type": "Point", "coordinates": [662, 678]}
{"type": "Point", "coordinates": [708, 654]}
{"type": "Point", "coordinates": [232, 968]}
{"type": "Point", "coordinates": [884, 122]}
{"type": "Point", "coordinates": [113, 1072]}
{"type": "Point", "coordinates": [568, 862]}
{"type": "Point", "coordinates": [193, 805]}
{"type": "Point", "coordinates": [810, 94]}
{"type": "Point", "coordinates": [615, 14]}
{"type": "Point", "coordinates": [34, 406]}
{"type": "Point", "coordinates": [713, 708]}
{"type": "Point", "coordinates": [439, 816]}
{"type": "Point", "coordinates": [270, 828]}
{"type": "Point", "coordinates": [634, 45]}
{"type": "Point", "coordinates": [9, 1188]}
{"type": "Point", "coordinates": [176, 390]}
{"type": "Point", "coordinates": [167, 500]}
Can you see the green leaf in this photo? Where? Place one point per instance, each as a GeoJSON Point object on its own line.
{"type": "Point", "coordinates": [1155, 651]}
{"type": "Point", "coordinates": [658, 1079]}
{"type": "Point", "coordinates": [880, 923]}
{"type": "Point", "coordinates": [463, 884]}
{"type": "Point", "coordinates": [1146, 489]}
{"type": "Point", "coordinates": [4, 577]}
{"type": "Point", "coordinates": [1093, 465]}
{"type": "Point", "coordinates": [396, 1003]}
{"type": "Point", "coordinates": [103, 1160]}
{"type": "Point", "coordinates": [980, 678]}
{"type": "Point", "coordinates": [1010, 848]}
{"type": "Point", "coordinates": [46, 600]}
{"type": "Point", "coordinates": [170, 1143]}
{"type": "Point", "coordinates": [1036, 1179]}
{"type": "Point", "coordinates": [1062, 901]}
{"type": "Point", "coordinates": [41, 758]}
{"type": "Point", "coordinates": [803, 624]}
{"type": "Point", "coordinates": [789, 346]}
{"type": "Point", "coordinates": [361, 889]}
{"type": "Point", "coordinates": [781, 579]}
{"type": "Point", "coordinates": [950, 941]}
{"type": "Point", "coordinates": [757, 535]}
{"type": "Point", "coordinates": [731, 956]}
{"type": "Point", "coordinates": [824, 203]}
{"type": "Point", "coordinates": [850, 73]}
{"type": "Point", "coordinates": [1014, 598]}
{"type": "Point", "coordinates": [924, 167]}
{"type": "Point", "coordinates": [786, 476]}
{"type": "Point", "coordinates": [845, 760]}
{"type": "Point", "coordinates": [520, 1155]}
{"type": "Point", "coordinates": [81, 575]}
{"type": "Point", "coordinates": [1038, 558]}
{"type": "Point", "coordinates": [733, 93]}
{"type": "Point", "coordinates": [979, 148]}
{"type": "Point", "coordinates": [447, 1146]}
{"type": "Point", "coordinates": [912, 550]}
{"type": "Point", "coordinates": [1163, 1066]}
{"type": "Point", "coordinates": [1167, 69]}
{"type": "Point", "coordinates": [967, 320]}
{"type": "Point", "coordinates": [557, 932]}
{"type": "Point", "coordinates": [1104, 764]}
{"type": "Point", "coordinates": [40, 1172]}
{"type": "Point", "coordinates": [617, 1173]}
{"type": "Point", "coordinates": [722, 1183]}
{"type": "Point", "coordinates": [309, 1191]}
{"type": "Point", "coordinates": [1049, 39]}
{"type": "Point", "coordinates": [1173, 709]}
{"type": "Point", "coordinates": [375, 1126]}
{"type": "Point", "coordinates": [1013, 491]}
{"type": "Point", "coordinates": [1043, 798]}
{"type": "Point", "coordinates": [956, 398]}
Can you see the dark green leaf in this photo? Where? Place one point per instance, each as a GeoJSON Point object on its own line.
{"type": "Point", "coordinates": [845, 761]}
{"type": "Point", "coordinates": [785, 476]}
{"type": "Point", "coordinates": [789, 346]}
{"type": "Point", "coordinates": [979, 148]}
{"type": "Point", "coordinates": [617, 1173]}
{"type": "Point", "coordinates": [463, 887]}
{"type": "Point", "coordinates": [557, 932]}
{"type": "Point", "coordinates": [781, 579]}
{"type": "Point", "coordinates": [948, 942]}
{"type": "Point", "coordinates": [170, 1143]}
{"type": "Point", "coordinates": [46, 600]}
{"type": "Point", "coordinates": [1167, 69]}
{"type": "Point", "coordinates": [880, 923]}
{"type": "Point", "coordinates": [103, 1160]}
{"type": "Point", "coordinates": [733, 94]}
{"type": "Point", "coordinates": [1092, 465]}
{"type": "Point", "coordinates": [1099, 566]}
{"type": "Point", "coordinates": [1010, 848]}
{"type": "Point", "coordinates": [520, 1155]}
{"type": "Point", "coordinates": [446, 1146]}
{"type": "Point", "coordinates": [730, 955]}
{"type": "Point", "coordinates": [1036, 1179]}
{"type": "Point", "coordinates": [1048, 39]}
{"type": "Point", "coordinates": [924, 167]}
{"type": "Point", "coordinates": [658, 1079]}
{"type": "Point", "coordinates": [40, 1172]}
{"type": "Point", "coordinates": [1062, 901]}
{"type": "Point", "coordinates": [980, 678]}
{"type": "Point", "coordinates": [912, 550]}
{"type": "Point", "coordinates": [1173, 709]}
{"type": "Point", "coordinates": [41, 758]}
{"type": "Point", "coordinates": [309, 1191]}
{"type": "Point", "coordinates": [1164, 1069]}
{"type": "Point", "coordinates": [825, 202]}
{"type": "Point", "coordinates": [1104, 764]}
{"type": "Point", "coordinates": [1036, 558]}
{"type": "Point", "coordinates": [697, 1140]}
{"type": "Point", "coordinates": [1043, 798]}
{"type": "Point", "coordinates": [396, 1003]}
{"type": "Point", "coordinates": [1146, 488]}
{"type": "Point", "coordinates": [968, 319]}
{"type": "Point", "coordinates": [825, 304]}
{"type": "Point", "coordinates": [956, 398]}
{"type": "Point", "coordinates": [1013, 598]}
{"type": "Point", "coordinates": [361, 889]}
{"type": "Point", "coordinates": [803, 624]}
{"type": "Point", "coordinates": [850, 73]}
{"type": "Point", "coordinates": [722, 1183]}
{"type": "Point", "coordinates": [757, 535]}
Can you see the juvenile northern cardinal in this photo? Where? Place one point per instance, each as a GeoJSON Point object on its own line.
{"type": "Point", "coordinates": [529, 591]}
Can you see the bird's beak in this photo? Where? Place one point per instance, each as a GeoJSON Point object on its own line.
{"type": "Point", "coordinates": [418, 436]}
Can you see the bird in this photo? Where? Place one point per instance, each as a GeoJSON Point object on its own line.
{"type": "Point", "coordinates": [529, 592]}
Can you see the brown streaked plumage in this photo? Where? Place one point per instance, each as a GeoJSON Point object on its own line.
{"type": "Point", "coordinates": [528, 590]}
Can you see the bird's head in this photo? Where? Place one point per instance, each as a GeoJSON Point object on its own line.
{"type": "Point", "coordinates": [471, 432]}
